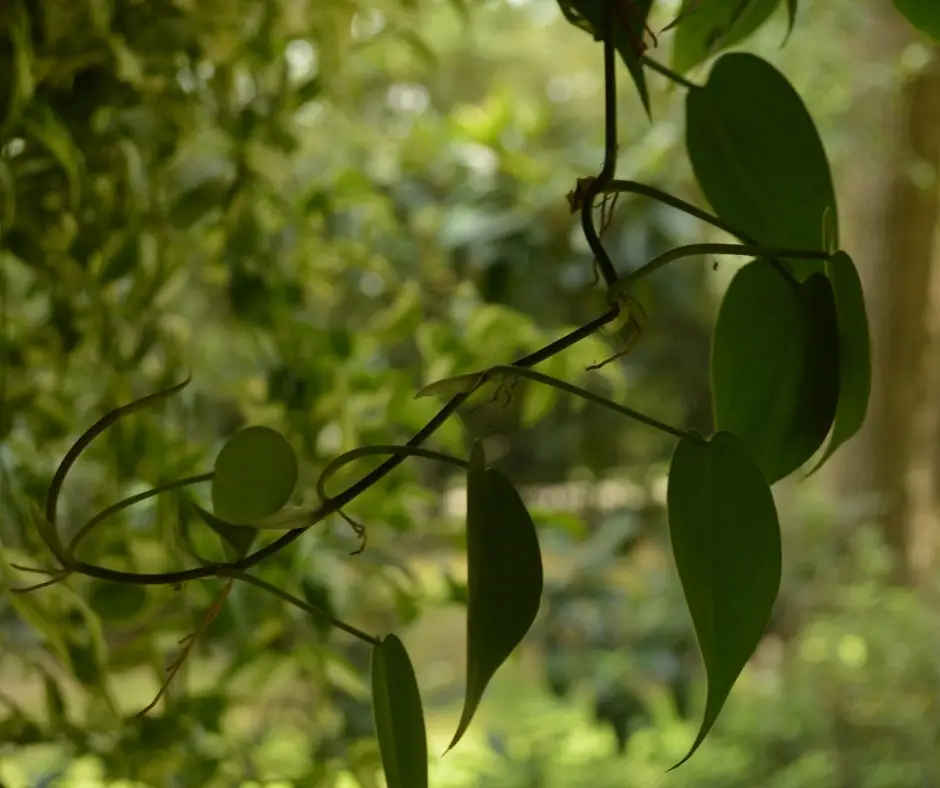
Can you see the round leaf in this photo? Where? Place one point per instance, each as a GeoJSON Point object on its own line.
{"type": "Point", "coordinates": [254, 476]}
{"type": "Point", "coordinates": [854, 352]}
{"type": "Point", "coordinates": [758, 158]}
{"type": "Point", "coordinates": [774, 366]}
{"type": "Point", "coordinates": [726, 542]}
{"type": "Point", "coordinates": [504, 577]}
{"type": "Point", "coordinates": [707, 26]}
{"type": "Point", "coordinates": [399, 720]}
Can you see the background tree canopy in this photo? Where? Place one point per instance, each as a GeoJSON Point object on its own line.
{"type": "Point", "coordinates": [319, 208]}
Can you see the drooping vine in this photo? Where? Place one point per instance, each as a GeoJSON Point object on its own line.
{"type": "Point", "coordinates": [790, 367]}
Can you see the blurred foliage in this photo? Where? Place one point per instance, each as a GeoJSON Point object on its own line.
{"type": "Point", "coordinates": [317, 208]}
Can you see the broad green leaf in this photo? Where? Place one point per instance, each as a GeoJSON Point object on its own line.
{"type": "Point", "coordinates": [504, 577]}
{"type": "Point", "coordinates": [399, 720]}
{"type": "Point", "coordinates": [236, 539]}
{"type": "Point", "coordinates": [774, 366]}
{"type": "Point", "coordinates": [854, 352]}
{"type": "Point", "coordinates": [706, 27]}
{"type": "Point", "coordinates": [726, 542]}
{"type": "Point", "coordinates": [254, 476]}
{"type": "Point", "coordinates": [629, 31]}
{"type": "Point", "coordinates": [116, 601]}
{"type": "Point", "coordinates": [923, 14]}
{"type": "Point", "coordinates": [758, 158]}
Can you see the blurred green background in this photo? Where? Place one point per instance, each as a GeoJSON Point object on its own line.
{"type": "Point", "coordinates": [319, 207]}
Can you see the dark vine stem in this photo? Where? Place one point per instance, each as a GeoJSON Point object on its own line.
{"type": "Point", "coordinates": [334, 504]}
{"type": "Point", "coordinates": [695, 250]}
{"type": "Point", "coordinates": [327, 508]}
{"type": "Point", "coordinates": [577, 391]}
{"type": "Point", "coordinates": [597, 186]}
{"type": "Point", "coordinates": [671, 75]}
{"type": "Point", "coordinates": [305, 606]}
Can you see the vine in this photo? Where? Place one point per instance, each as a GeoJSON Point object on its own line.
{"type": "Point", "coordinates": [789, 366]}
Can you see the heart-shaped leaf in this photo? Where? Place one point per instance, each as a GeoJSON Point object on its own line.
{"type": "Point", "coordinates": [726, 542]}
{"type": "Point", "coordinates": [923, 14]}
{"type": "Point", "coordinates": [236, 539]}
{"type": "Point", "coordinates": [706, 27]}
{"type": "Point", "coordinates": [399, 720]}
{"type": "Point", "coordinates": [254, 475]}
{"type": "Point", "coordinates": [504, 577]}
{"type": "Point", "coordinates": [775, 366]}
{"type": "Point", "coordinates": [758, 158]}
{"type": "Point", "coordinates": [629, 19]}
{"type": "Point", "coordinates": [854, 352]}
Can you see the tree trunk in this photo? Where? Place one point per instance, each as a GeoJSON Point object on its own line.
{"type": "Point", "coordinates": [891, 228]}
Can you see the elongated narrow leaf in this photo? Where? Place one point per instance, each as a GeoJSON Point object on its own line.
{"type": "Point", "coordinates": [854, 352]}
{"type": "Point", "coordinates": [791, 15]}
{"type": "Point", "coordinates": [923, 14]}
{"type": "Point", "coordinates": [399, 720]}
{"type": "Point", "coordinates": [726, 542]}
{"type": "Point", "coordinates": [774, 366]}
{"type": "Point", "coordinates": [758, 158]}
{"type": "Point", "coordinates": [629, 31]}
{"type": "Point", "coordinates": [504, 577]}
{"type": "Point", "coordinates": [707, 26]}
{"type": "Point", "coordinates": [254, 476]}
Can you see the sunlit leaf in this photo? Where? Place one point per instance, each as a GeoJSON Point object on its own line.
{"type": "Point", "coordinates": [254, 475]}
{"type": "Point", "coordinates": [399, 719]}
{"type": "Point", "coordinates": [504, 577]}
{"type": "Point", "coordinates": [774, 366]}
{"type": "Point", "coordinates": [923, 14]}
{"type": "Point", "coordinates": [758, 158]}
{"type": "Point", "coordinates": [708, 26]}
{"type": "Point", "coordinates": [449, 387]}
{"type": "Point", "coordinates": [854, 352]}
{"type": "Point", "coordinates": [726, 542]}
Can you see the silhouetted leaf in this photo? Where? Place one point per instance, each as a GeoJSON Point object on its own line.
{"type": "Point", "coordinates": [708, 26]}
{"type": "Point", "coordinates": [923, 14]}
{"type": "Point", "coordinates": [504, 577]}
{"type": "Point", "coordinates": [254, 475]}
{"type": "Point", "coordinates": [236, 539]}
{"type": "Point", "coordinates": [399, 720]}
{"type": "Point", "coordinates": [629, 31]}
{"type": "Point", "coordinates": [758, 158]}
{"type": "Point", "coordinates": [726, 541]}
{"type": "Point", "coordinates": [774, 366]}
{"type": "Point", "coordinates": [854, 352]}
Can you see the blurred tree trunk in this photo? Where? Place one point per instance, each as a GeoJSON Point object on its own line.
{"type": "Point", "coordinates": [891, 220]}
